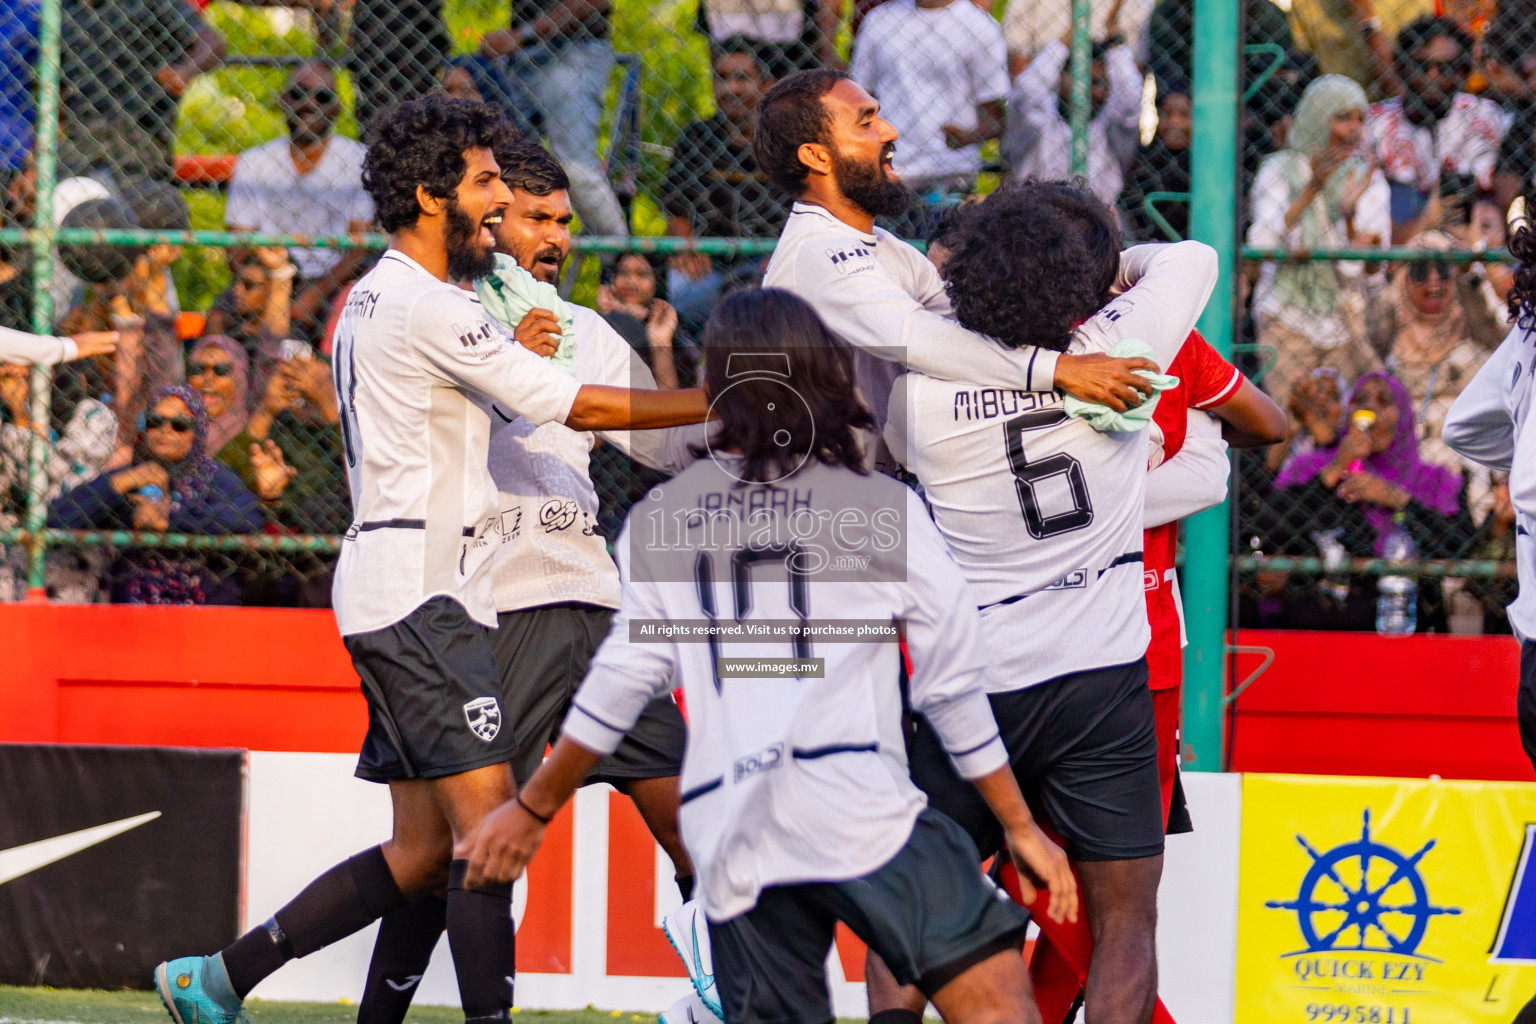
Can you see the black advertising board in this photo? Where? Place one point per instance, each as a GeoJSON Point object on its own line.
{"type": "Point", "coordinates": [115, 858]}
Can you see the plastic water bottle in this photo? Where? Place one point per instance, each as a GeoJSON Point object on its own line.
{"type": "Point", "coordinates": [1397, 594]}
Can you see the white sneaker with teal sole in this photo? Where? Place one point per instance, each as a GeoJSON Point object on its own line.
{"type": "Point", "coordinates": [689, 1010]}
{"type": "Point", "coordinates": [688, 932]}
{"type": "Point", "coordinates": [196, 990]}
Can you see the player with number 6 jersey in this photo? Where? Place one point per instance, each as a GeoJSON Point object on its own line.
{"type": "Point", "coordinates": [1043, 512]}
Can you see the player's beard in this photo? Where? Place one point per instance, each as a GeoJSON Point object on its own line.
{"type": "Point", "coordinates": [466, 259]}
{"type": "Point", "coordinates": [867, 187]}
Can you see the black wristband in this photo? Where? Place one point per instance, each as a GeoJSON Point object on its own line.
{"type": "Point", "coordinates": [535, 815]}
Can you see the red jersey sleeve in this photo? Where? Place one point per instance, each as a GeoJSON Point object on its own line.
{"type": "Point", "coordinates": [1209, 378]}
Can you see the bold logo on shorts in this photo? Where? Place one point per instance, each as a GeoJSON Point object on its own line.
{"type": "Point", "coordinates": [484, 717]}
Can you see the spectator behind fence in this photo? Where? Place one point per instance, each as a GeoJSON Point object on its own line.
{"type": "Point", "coordinates": [285, 441]}
{"type": "Point", "coordinates": [1509, 64]}
{"type": "Point", "coordinates": [1029, 26]}
{"type": "Point", "coordinates": [1171, 38]}
{"type": "Point", "coordinates": [129, 292]}
{"type": "Point", "coordinates": [173, 486]}
{"type": "Point", "coordinates": [1353, 491]}
{"type": "Point", "coordinates": [1435, 141]}
{"type": "Point", "coordinates": [126, 64]}
{"type": "Point", "coordinates": [1161, 166]}
{"type": "Point", "coordinates": [159, 206]}
{"type": "Point", "coordinates": [309, 183]}
{"type": "Point", "coordinates": [397, 49]}
{"type": "Point", "coordinates": [627, 300]}
{"type": "Point", "coordinates": [1038, 140]}
{"type": "Point", "coordinates": [1434, 329]}
{"type": "Point", "coordinates": [714, 187]}
{"type": "Point", "coordinates": [787, 35]}
{"type": "Point", "coordinates": [939, 70]}
{"type": "Point", "coordinates": [565, 56]}
{"type": "Point", "coordinates": [1354, 37]}
{"type": "Point", "coordinates": [71, 456]}
{"type": "Point", "coordinates": [1317, 192]}
{"type": "Point", "coordinates": [254, 308]}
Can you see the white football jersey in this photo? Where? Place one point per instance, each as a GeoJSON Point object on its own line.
{"type": "Point", "coordinates": [884, 298]}
{"type": "Point", "coordinates": [548, 546]}
{"type": "Point", "coordinates": [1042, 512]}
{"type": "Point", "coordinates": [788, 778]}
{"type": "Point", "coordinates": [417, 365]}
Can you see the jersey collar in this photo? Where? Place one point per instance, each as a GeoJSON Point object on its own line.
{"type": "Point", "coordinates": [811, 209]}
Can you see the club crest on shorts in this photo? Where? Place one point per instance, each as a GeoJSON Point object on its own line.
{"type": "Point", "coordinates": [484, 717]}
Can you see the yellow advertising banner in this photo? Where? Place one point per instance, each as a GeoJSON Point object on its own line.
{"type": "Point", "coordinates": [1385, 901]}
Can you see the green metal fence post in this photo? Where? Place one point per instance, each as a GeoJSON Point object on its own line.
{"type": "Point", "coordinates": [45, 148]}
{"type": "Point", "coordinates": [1213, 220]}
{"type": "Point", "coordinates": [1082, 84]}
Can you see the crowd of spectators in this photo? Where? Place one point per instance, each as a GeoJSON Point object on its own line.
{"type": "Point", "coordinates": [1365, 124]}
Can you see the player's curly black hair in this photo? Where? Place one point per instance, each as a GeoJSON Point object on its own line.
{"type": "Point", "coordinates": [791, 115]}
{"type": "Point", "coordinates": [763, 348]}
{"type": "Point", "coordinates": [422, 142]}
{"type": "Point", "coordinates": [1522, 294]}
{"type": "Point", "coordinates": [1032, 261]}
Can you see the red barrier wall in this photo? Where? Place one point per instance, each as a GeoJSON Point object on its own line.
{"type": "Point", "coordinates": [1360, 704]}
{"type": "Point", "coordinates": [280, 679]}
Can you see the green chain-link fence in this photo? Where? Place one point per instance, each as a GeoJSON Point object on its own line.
{"type": "Point", "coordinates": [1368, 194]}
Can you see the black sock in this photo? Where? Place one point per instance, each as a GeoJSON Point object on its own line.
{"type": "Point", "coordinates": [407, 936]}
{"type": "Point", "coordinates": [896, 1017]}
{"type": "Point", "coordinates": [481, 936]}
{"type": "Point", "coordinates": [685, 886]}
{"type": "Point", "coordinates": [348, 897]}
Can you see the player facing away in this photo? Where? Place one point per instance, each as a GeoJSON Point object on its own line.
{"type": "Point", "coordinates": [821, 140]}
{"type": "Point", "coordinates": [797, 807]}
{"type": "Point", "coordinates": [1044, 516]}
{"type": "Point", "coordinates": [417, 367]}
{"type": "Point", "coordinates": [554, 583]}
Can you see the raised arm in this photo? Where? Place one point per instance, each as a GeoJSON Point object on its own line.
{"type": "Point", "coordinates": [1164, 288]}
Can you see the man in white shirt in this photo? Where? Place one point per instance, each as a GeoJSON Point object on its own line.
{"type": "Point", "coordinates": [820, 139]}
{"type": "Point", "coordinates": [309, 182]}
{"type": "Point", "coordinates": [1044, 515]}
{"type": "Point", "coordinates": [1435, 128]}
{"type": "Point", "coordinates": [418, 368]}
{"type": "Point", "coordinates": [940, 73]}
{"type": "Point", "coordinates": [797, 806]}
{"type": "Point", "coordinates": [555, 584]}
{"type": "Point", "coordinates": [1038, 140]}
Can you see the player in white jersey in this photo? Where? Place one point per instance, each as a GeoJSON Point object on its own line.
{"type": "Point", "coordinates": [418, 365]}
{"type": "Point", "coordinates": [1044, 515]}
{"type": "Point", "coordinates": [821, 140]}
{"type": "Point", "coordinates": [1491, 423]}
{"type": "Point", "coordinates": [797, 806]}
{"type": "Point", "coordinates": [555, 584]}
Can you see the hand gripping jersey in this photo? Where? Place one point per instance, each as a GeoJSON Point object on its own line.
{"type": "Point", "coordinates": [1206, 380]}
{"type": "Point", "coordinates": [790, 779]}
{"type": "Point", "coordinates": [548, 546]}
{"type": "Point", "coordinates": [417, 363]}
{"type": "Point", "coordinates": [1042, 512]}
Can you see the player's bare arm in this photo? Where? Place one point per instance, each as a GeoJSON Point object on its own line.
{"type": "Point", "coordinates": [604, 408]}
{"type": "Point", "coordinates": [1038, 859]}
{"type": "Point", "coordinates": [1250, 418]}
{"type": "Point", "coordinates": [507, 839]}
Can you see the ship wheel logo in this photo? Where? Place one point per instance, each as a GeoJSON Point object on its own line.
{"type": "Point", "coordinates": [1363, 896]}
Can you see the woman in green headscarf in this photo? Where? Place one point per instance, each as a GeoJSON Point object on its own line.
{"type": "Point", "coordinates": [1319, 191]}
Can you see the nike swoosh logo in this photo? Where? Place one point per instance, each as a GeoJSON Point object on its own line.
{"type": "Point", "coordinates": [20, 860]}
{"type": "Point", "coordinates": [409, 983]}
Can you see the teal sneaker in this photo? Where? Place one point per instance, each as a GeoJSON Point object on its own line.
{"type": "Point", "coordinates": [688, 931]}
{"type": "Point", "coordinates": [196, 990]}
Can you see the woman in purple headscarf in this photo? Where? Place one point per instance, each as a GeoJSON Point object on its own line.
{"type": "Point", "coordinates": [174, 487]}
{"type": "Point", "coordinates": [1349, 494]}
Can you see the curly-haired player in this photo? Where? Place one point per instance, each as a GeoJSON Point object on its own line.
{"type": "Point", "coordinates": [419, 368]}
{"type": "Point", "coordinates": [1044, 515]}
